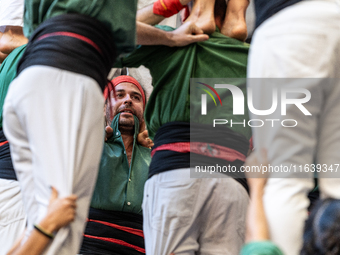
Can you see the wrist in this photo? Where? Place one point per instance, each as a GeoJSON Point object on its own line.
{"type": "Point", "coordinates": [43, 231]}
{"type": "Point", "coordinates": [48, 225]}
{"type": "Point", "coordinates": [257, 191]}
{"type": "Point", "coordinates": [170, 41]}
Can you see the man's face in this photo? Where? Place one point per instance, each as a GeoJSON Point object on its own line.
{"type": "Point", "coordinates": [129, 102]}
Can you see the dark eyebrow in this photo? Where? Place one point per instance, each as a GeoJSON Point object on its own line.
{"type": "Point", "coordinates": [136, 93]}
{"type": "Point", "coordinates": [120, 90]}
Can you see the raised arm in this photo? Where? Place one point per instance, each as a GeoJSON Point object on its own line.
{"type": "Point", "coordinates": [257, 227]}
{"type": "Point", "coordinates": [60, 212]}
{"type": "Point", "coordinates": [182, 36]}
{"type": "Point", "coordinates": [146, 15]}
{"type": "Point", "coordinates": [154, 13]}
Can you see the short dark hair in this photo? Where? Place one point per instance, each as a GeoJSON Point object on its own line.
{"type": "Point", "coordinates": [322, 229]}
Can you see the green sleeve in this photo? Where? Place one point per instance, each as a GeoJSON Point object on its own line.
{"type": "Point", "coordinates": [8, 72]}
{"type": "Point", "coordinates": [261, 248]}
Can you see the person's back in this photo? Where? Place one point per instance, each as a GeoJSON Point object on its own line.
{"type": "Point", "coordinates": [174, 204]}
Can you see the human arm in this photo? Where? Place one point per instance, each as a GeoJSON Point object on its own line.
{"type": "Point", "coordinates": [257, 236]}
{"type": "Point", "coordinates": [257, 227]}
{"type": "Point", "coordinates": [186, 34]}
{"type": "Point", "coordinates": [60, 212]}
{"type": "Point", "coordinates": [143, 137]}
{"type": "Point", "coordinates": [147, 15]}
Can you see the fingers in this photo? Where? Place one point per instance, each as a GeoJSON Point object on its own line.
{"type": "Point", "coordinates": [196, 30]}
{"type": "Point", "coordinates": [109, 130]}
{"type": "Point", "coordinates": [198, 38]}
{"type": "Point", "coordinates": [71, 201]}
{"type": "Point", "coordinates": [145, 134]}
{"type": "Point", "coordinates": [108, 133]}
{"type": "Point", "coordinates": [142, 126]}
{"type": "Point", "coordinates": [151, 144]}
{"type": "Point", "coordinates": [54, 194]}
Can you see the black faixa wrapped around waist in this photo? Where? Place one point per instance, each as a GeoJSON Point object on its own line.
{"type": "Point", "coordinates": [183, 145]}
{"type": "Point", "coordinates": [6, 166]}
{"type": "Point", "coordinates": [113, 233]}
{"type": "Point", "coordinates": [72, 42]}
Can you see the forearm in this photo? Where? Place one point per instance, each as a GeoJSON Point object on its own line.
{"type": "Point", "coordinates": [37, 242]}
{"type": "Point", "coordinates": [257, 227]}
{"type": "Point", "coordinates": [146, 15]}
{"type": "Point", "coordinates": [148, 35]}
{"type": "Point", "coordinates": [35, 245]}
{"type": "Point", "coordinates": [182, 36]}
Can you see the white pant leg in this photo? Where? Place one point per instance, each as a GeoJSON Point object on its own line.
{"type": "Point", "coordinates": [298, 42]}
{"type": "Point", "coordinates": [12, 214]}
{"type": "Point", "coordinates": [190, 216]}
{"type": "Point", "coordinates": [223, 217]}
{"type": "Point", "coordinates": [11, 13]}
{"type": "Point", "coordinates": [53, 120]}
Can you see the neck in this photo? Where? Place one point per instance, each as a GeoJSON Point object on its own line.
{"type": "Point", "coordinates": [127, 137]}
{"type": "Point", "coordinates": [128, 142]}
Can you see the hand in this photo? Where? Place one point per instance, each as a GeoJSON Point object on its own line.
{"type": "Point", "coordinates": [186, 34]}
{"type": "Point", "coordinates": [60, 212]}
{"type": "Point", "coordinates": [257, 180]}
{"type": "Point", "coordinates": [144, 140]}
{"type": "Point", "coordinates": [108, 133]}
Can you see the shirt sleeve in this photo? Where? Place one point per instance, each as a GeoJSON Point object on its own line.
{"type": "Point", "coordinates": [261, 248]}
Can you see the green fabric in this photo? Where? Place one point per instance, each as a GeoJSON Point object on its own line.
{"type": "Point", "coordinates": [119, 16]}
{"type": "Point", "coordinates": [113, 189]}
{"type": "Point", "coordinates": [261, 248]}
{"type": "Point", "coordinates": [8, 71]}
{"type": "Point", "coordinates": [171, 69]}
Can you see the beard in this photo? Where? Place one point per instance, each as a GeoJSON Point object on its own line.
{"type": "Point", "coordinates": [126, 125]}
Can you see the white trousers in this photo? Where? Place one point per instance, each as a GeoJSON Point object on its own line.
{"type": "Point", "coordinates": [301, 41]}
{"type": "Point", "coordinates": [189, 216]}
{"type": "Point", "coordinates": [11, 13]}
{"type": "Point", "coordinates": [53, 120]}
{"type": "Point", "coordinates": [12, 214]}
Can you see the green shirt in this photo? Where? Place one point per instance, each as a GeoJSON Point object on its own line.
{"type": "Point", "coordinates": [119, 16]}
{"type": "Point", "coordinates": [8, 71]}
{"type": "Point", "coordinates": [261, 248]}
{"type": "Point", "coordinates": [120, 187]}
{"type": "Point", "coordinates": [172, 68]}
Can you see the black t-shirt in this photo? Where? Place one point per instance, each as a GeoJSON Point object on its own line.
{"type": "Point", "coordinates": [264, 9]}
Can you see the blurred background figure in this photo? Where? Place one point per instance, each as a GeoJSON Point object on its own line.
{"type": "Point", "coordinates": [11, 23]}
{"type": "Point", "coordinates": [12, 40]}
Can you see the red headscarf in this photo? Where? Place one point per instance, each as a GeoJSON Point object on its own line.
{"type": "Point", "coordinates": [119, 80]}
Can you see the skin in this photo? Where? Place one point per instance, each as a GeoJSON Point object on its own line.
{"type": "Point", "coordinates": [186, 34]}
{"type": "Point", "coordinates": [202, 15]}
{"type": "Point", "coordinates": [257, 227]}
{"type": "Point", "coordinates": [128, 102]}
{"type": "Point", "coordinates": [234, 24]}
{"type": "Point", "coordinates": [12, 38]}
{"type": "Point", "coordinates": [60, 212]}
{"type": "Point", "coordinates": [146, 15]}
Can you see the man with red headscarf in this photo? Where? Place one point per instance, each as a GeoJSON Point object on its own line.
{"type": "Point", "coordinates": [115, 222]}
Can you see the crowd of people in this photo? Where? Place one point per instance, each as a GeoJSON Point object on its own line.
{"type": "Point", "coordinates": [91, 165]}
